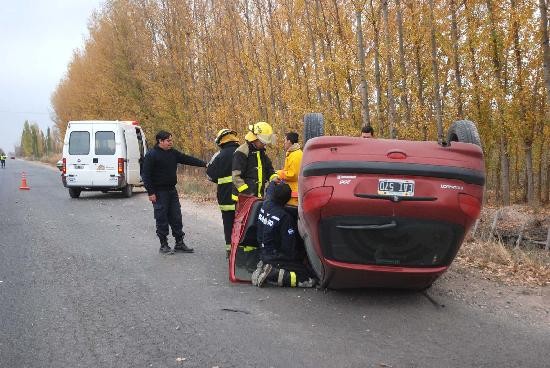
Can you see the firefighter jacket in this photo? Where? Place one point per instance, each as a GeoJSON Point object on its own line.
{"type": "Point", "coordinates": [219, 172]}
{"type": "Point", "coordinates": [291, 170]}
{"type": "Point", "coordinates": [251, 170]}
{"type": "Point", "coordinates": [276, 233]}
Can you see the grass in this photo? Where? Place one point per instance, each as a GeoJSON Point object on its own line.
{"type": "Point", "coordinates": [524, 266]}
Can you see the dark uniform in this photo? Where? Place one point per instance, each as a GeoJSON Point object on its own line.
{"type": "Point", "coordinates": [252, 170]}
{"type": "Point", "coordinates": [277, 236]}
{"type": "Point", "coordinates": [160, 178]}
{"type": "Point", "coordinates": [219, 172]}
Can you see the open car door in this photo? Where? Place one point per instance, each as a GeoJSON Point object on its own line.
{"type": "Point", "coordinates": [245, 251]}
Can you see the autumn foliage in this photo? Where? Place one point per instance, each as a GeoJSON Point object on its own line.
{"type": "Point", "coordinates": [194, 67]}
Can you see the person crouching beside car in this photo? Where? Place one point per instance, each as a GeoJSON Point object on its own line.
{"type": "Point", "coordinates": [277, 233]}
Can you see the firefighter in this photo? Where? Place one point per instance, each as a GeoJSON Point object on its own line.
{"type": "Point", "coordinates": [293, 160]}
{"type": "Point", "coordinates": [280, 262]}
{"type": "Point", "coordinates": [219, 172]}
{"type": "Point", "coordinates": [252, 169]}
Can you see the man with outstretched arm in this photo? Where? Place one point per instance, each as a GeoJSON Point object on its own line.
{"type": "Point", "coordinates": [160, 178]}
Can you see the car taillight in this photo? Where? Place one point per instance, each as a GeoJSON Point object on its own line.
{"type": "Point", "coordinates": [316, 198]}
{"type": "Point", "coordinates": [64, 166]}
{"type": "Point", "coordinates": [121, 166]}
{"type": "Point", "coordinates": [470, 205]}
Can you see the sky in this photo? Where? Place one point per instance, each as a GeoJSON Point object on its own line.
{"type": "Point", "coordinates": [37, 41]}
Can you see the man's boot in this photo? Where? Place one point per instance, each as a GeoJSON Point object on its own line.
{"type": "Point", "coordinates": [181, 247]}
{"type": "Point", "coordinates": [164, 248]}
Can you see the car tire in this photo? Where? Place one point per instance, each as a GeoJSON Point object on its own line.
{"type": "Point", "coordinates": [314, 126]}
{"type": "Point", "coordinates": [128, 190]}
{"type": "Point", "coordinates": [463, 131]}
{"type": "Point", "coordinates": [74, 192]}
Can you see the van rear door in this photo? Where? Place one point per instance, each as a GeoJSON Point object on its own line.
{"type": "Point", "coordinates": [132, 155]}
{"type": "Point", "coordinates": [79, 159]}
{"type": "Point", "coordinates": [104, 161]}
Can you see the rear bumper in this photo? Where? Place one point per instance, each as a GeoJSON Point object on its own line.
{"type": "Point", "coordinates": [340, 275]}
{"type": "Point", "coordinates": [120, 183]}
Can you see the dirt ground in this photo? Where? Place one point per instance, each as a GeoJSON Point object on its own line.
{"type": "Point", "coordinates": [470, 285]}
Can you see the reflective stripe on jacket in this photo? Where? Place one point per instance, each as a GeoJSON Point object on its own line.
{"type": "Point", "coordinates": [219, 172]}
{"type": "Point", "coordinates": [252, 169]}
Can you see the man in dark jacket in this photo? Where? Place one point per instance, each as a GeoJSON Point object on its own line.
{"type": "Point", "coordinates": [277, 236]}
{"type": "Point", "coordinates": [160, 178]}
{"type": "Point", "coordinates": [219, 172]}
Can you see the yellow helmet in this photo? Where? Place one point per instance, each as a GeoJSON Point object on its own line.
{"type": "Point", "coordinates": [261, 131]}
{"type": "Point", "coordinates": [226, 135]}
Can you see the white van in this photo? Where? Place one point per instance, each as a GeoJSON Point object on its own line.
{"type": "Point", "coordinates": [103, 156]}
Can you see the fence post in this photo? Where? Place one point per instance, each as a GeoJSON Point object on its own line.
{"type": "Point", "coordinates": [520, 236]}
{"type": "Point", "coordinates": [494, 225]}
{"type": "Point", "coordinates": [547, 247]}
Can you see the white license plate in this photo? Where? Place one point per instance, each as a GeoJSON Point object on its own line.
{"type": "Point", "coordinates": [78, 167]}
{"type": "Point", "coordinates": [398, 187]}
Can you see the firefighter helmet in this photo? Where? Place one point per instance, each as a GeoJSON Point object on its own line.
{"type": "Point", "coordinates": [226, 135]}
{"type": "Point", "coordinates": [261, 131]}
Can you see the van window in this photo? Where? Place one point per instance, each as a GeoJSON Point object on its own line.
{"type": "Point", "coordinates": [105, 143]}
{"type": "Point", "coordinates": [79, 143]}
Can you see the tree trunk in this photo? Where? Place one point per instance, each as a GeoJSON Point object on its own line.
{"type": "Point", "coordinates": [435, 70]}
{"type": "Point", "coordinates": [543, 7]}
{"type": "Point", "coordinates": [404, 89]}
{"type": "Point", "coordinates": [501, 83]}
{"type": "Point", "coordinates": [365, 112]}
{"type": "Point", "coordinates": [315, 60]}
{"type": "Point", "coordinates": [377, 77]}
{"type": "Point", "coordinates": [389, 66]}
{"type": "Point", "coordinates": [458, 78]}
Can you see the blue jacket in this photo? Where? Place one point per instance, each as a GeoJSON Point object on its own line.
{"type": "Point", "coordinates": [276, 233]}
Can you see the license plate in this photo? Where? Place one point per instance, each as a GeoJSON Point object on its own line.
{"type": "Point", "coordinates": [78, 167]}
{"type": "Point", "coordinates": [398, 187]}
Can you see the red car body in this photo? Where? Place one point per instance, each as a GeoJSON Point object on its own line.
{"type": "Point", "coordinates": [357, 233]}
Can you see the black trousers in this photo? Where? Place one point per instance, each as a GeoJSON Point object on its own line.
{"type": "Point", "coordinates": [228, 217]}
{"type": "Point", "coordinates": [167, 211]}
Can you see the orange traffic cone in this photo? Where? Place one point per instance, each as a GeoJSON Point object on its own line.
{"type": "Point", "coordinates": [24, 182]}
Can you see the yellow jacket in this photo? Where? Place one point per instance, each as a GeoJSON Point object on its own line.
{"type": "Point", "coordinates": [291, 170]}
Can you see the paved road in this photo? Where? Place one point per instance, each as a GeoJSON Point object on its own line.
{"type": "Point", "coordinates": [82, 285]}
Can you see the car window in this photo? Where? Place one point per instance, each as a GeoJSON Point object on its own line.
{"type": "Point", "coordinates": [105, 143]}
{"type": "Point", "coordinates": [79, 143]}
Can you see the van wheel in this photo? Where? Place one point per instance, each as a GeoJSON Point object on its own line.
{"type": "Point", "coordinates": [74, 192]}
{"type": "Point", "coordinates": [314, 125]}
{"type": "Point", "coordinates": [128, 190]}
{"type": "Point", "coordinates": [463, 131]}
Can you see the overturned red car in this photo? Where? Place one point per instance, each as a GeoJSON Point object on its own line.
{"type": "Point", "coordinates": [380, 212]}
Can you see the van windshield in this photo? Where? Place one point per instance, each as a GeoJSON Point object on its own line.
{"type": "Point", "coordinates": [79, 143]}
{"type": "Point", "coordinates": [105, 143]}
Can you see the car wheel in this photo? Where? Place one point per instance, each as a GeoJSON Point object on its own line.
{"type": "Point", "coordinates": [314, 125]}
{"type": "Point", "coordinates": [128, 190]}
{"type": "Point", "coordinates": [463, 131]}
{"type": "Point", "coordinates": [74, 192]}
